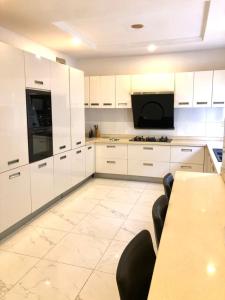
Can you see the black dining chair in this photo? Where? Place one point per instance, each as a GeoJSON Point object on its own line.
{"type": "Point", "coordinates": [168, 184]}
{"type": "Point", "coordinates": [135, 268]}
{"type": "Point", "coordinates": [159, 211]}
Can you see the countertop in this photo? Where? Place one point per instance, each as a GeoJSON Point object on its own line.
{"type": "Point", "coordinates": [191, 256]}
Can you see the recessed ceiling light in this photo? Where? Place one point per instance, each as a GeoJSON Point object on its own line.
{"type": "Point", "coordinates": [137, 26]}
{"type": "Point", "coordinates": [76, 41]}
{"type": "Point", "coordinates": [152, 48]}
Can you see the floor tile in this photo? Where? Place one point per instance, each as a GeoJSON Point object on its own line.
{"type": "Point", "coordinates": [149, 197]}
{"type": "Point", "coordinates": [79, 250]}
{"type": "Point", "coordinates": [124, 195]}
{"type": "Point", "coordinates": [154, 187]}
{"type": "Point", "coordinates": [141, 212]}
{"type": "Point", "coordinates": [49, 280]}
{"type": "Point", "coordinates": [100, 286]}
{"type": "Point", "coordinates": [32, 241]}
{"type": "Point", "coordinates": [110, 260]}
{"type": "Point", "coordinates": [97, 192]}
{"type": "Point", "coordinates": [112, 209]}
{"type": "Point", "coordinates": [13, 268]}
{"type": "Point", "coordinates": [99, 226]}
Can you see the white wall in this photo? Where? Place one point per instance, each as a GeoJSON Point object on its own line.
{"type": "Point", "coordinates": [18, 41]}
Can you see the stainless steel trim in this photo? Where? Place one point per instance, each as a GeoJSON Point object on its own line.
{"type": "Point", "coordinates": [201, 102]}
{"type": "Point", "coordinates": [11, 162]}
{"type": "Point", "coordinates": [78, 143]}
{"type": "Point", "coordinates": [79, 151]}
{"type": "Point", "coordinates": [62, 147]}
{"type": "Point", "coordinates": [63, 157]}
{"type": "Point", "coordinates": [186, 150]}
{"type": "Point", "coordinates": [38, 82]}
{"type": "Point", "coordinates": [42, 165]}
{"type": "Point", "coordinates": [218, 102]}
{"type": "Point", "coordinates": [94, 104]}
{"type": "Point", "coordinates": [107, 104]}
{"type": "Point", "coordinates": [148, 148]}
{"type": "Point", "coordinates": [186, 167]}
{"type": "Point", "coordinates": [111, 162]}
{"type": "Point", "coordinates": [15, 175]}
{"type": "Point", "coordinates": [148, 164]}
{"type": "Point", "coordinates": [89, 147]}
{"type": "Point", "coordinates": [183, 103]}
{"type": "Point", "coordinates": [110, 146]}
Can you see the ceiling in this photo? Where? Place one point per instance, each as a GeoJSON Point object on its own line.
{"type": "Point", "coordinates": [103, 26]}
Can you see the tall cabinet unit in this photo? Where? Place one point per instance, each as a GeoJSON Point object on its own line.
{"type": "Point", "coordinates": [60, 107]}
{"type": "Point", "coordinates": [77, 108]}
{"type": "Point", "coordinates": [13, 120]}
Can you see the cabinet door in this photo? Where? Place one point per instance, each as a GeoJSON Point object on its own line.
{"type": "Point", "coordinates": [41, 174]}
{"type": "Point", "coordinates": [95, 91]}
{"type": "Point", "coordinates": [111, 165]}
{"type": "Point", "coordinates": [13, 119]}
{"type": "Point", "coordinates": [62, 173]}
{"type": "Point", "coordinates": [218, 97]}
{"type": "Point", "coordinates": [123, 91]}
{"type": "Point", "coordinates": [77, 108]}
{"type": "Point", "coordinates": [108, 91]}
{"type": "Point", "coordinates": [149, 152]}
{"type": "Point", "coordinates": [77, 165]}
{"type": "Point", "coordinates": [184, 89]}
{"type": "Point", "coordinates": [147, 168]}
{"type": "Point", "coordinates": [86, 91]}
{"type": "Point", "coordinates": [37, 72]}
{"type": "Point", "coordinates": [15, 201]}
{"type": "Point", "coordinates": [60, 108]}
{"type": "Point", "coordinates": [90, 160]}
{"type": "Point", "coordinates": [203, 88]}
{"type": "Point", "coordinates": [190, 155]}
{"type": "Point", "coordinates": [185, 167]}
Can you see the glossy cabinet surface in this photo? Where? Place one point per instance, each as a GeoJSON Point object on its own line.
{"type": "Point", "coordinates": [194, 155]}
{"type": "Point", "coordinates": [13, 118]}
{"type": "Point", "coordinates": [184, 89]}
{"type": "Point", "coordinates": [123, 91]}
{"type": "Point", "coordinates": [203, 82]}
{"type": "Point", "coordinates": [41, 174]}
{"type": "Point", "coordinates": [108, 91]}
{"type": "Point", "coordinates": [95, 91]}
{"type": "Point", "coordinates": [37, 70]}
{"type": "Point", "coordinates": [90, 160]}
{"type": "Point", "coordinates": [218, 96]}
{"type": "Point", "coordinates": [86, 91]}
{"type": "Point", "coordinates": [15, 201]}
{"type": "Point", "coordinates": [77, 165]}
{"type": "Point", "coordinates": [147, 168]}
{"type": "Point", "coordinates": [60, 108]}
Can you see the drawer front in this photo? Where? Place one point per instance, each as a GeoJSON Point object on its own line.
{"type": "Point", "coordinates": [77, 165]}
{"type": "Point", "coordinates": [149, 153]}
{"type": "Point", "coordinates": [90, 160]}
{"type": "Point", "coordinates": [148, 168]}
{"type": "Point", "coordinates": [111, 151]}
{"type": "Point", "coordinates": [185, 167]}
{"type": "Point", "coordinates": [111, 166]}
{"type": "Point", "coordinates": [190, 155]}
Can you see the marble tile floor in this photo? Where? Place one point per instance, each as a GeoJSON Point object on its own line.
{"type": "Point", "coordinates": [71, 251]}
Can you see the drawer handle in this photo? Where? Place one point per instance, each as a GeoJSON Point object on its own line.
{"type": "Point", "coordinates": [148, 148]}
{"type": "Point", "coordinates": [183, 103]}
{"type": "Point", "coordinates": [122, 103]}
{"type": "Point", "coordinates": [110, 146]}
{"type": "Point", "coordinates": [148, 164]}
{"type": "Point", "coordinates": [218, 102]}
{"type": "Point", "coordinates": [186, 167]}
{"type": "Point", "coordinates": [11, 162]}
{"type": "Point", "coordinates": [63, 157]}
{"type": "Point", "coordinates": [78, 152]}
{"type": "Point", "coordinates": [107, 104]}
{"type": "Point", "coordinates": [89, 148]}
{"type": "Point", "coordinates": [202, 102]}
{"type": "Point", "coordinates": [78, 143]}
{"type": "Point", "coordinates": [94, 104]}
{"type": "Point", "coordinates": [62, 147]}
{"type": "Point", "coordinates": [42, 165]}
{"type": "Point", "coordinates": [38, 82]}
{"type": "Point", "coordinates": [15, 175]}
{"type": "Point", "coordinates": [186, 150]}
{"type": "Point", "coordinates": [111, 162]}
{"type": "Point", "coordinates": [86, 104]}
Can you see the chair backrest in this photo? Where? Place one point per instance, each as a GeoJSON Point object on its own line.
{"type": "Point", "coordinates": [135, 268]}
{"type": "Point", "coordinates": [168, 184]}
{"type": "Point", "coordinates": [159, 210]}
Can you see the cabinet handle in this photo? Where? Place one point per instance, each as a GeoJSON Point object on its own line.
{"type": "Point", "coordinates": [62, 147]}
{"type": "Point", "coordinates": [89, 148]}
{"type": "Point", "coordinates": [42, 165]}
{"type": "Point", "coordinates": [11, 162]}
{"type": "Point", "coordinates": [148, 148]}
{"type": "Point", "coordinates": [62, 157]}
{"type": "Point", "coordinates": [14, 175]}
{"type": "Point", "coordinates": [94, 104]}
{"type": "Point", "coordinates": [218, 102]}
{"type": "Point", "coordinates": [110, 146]}
{"type": "Point", "coordinates": [38, 82]}
{"type": "Point", "coordinates": [107, 104]}
{"type": "Point", "coordinates": [200, 102]}
{"type": "Point", "coordinates": [186, 167]}
{"type": "Point", "coordinates": [78, 143]}
{"type": "Point", "coordinates": [183, 103]}
{"type": "Point", "coordinates": [78, 152]}
{"type": "Point", "coordinates": [186, 150]}
{"type": "Point", "coordinates": [122, 103]}
{"type": "Point", "coordinates": [148, 164]}
{"type": "Point", "coordinates": [111, 162]}
{"type": "Point", "coordinates": [86, 104]}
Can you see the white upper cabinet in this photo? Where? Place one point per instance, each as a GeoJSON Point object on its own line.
{"type": "Point", "coordinates": [203, 88]}
{"type": "Point", "coordinates": [95, 91]}
{"type": "Point", "coordinates": [60, 107]}
{"type": "Point", "coordinates": [153, 82]}
{"type": "Point", "coordinates": [123, 91]}
{"type": "Point", "coordinates": [108, 91]}
{"type": "Point", "coordinates": [86, 91]}
{"type": "Point", "coordinates": [37, 72]}
{"type": "Point", "coordinates": [13, 118]}
{"type": "Point", "coordinates": [77, 108]}
{"type": "Point", "coordinates": [184, 89]}
{"type": "Point", "coordinates": [218, 97]}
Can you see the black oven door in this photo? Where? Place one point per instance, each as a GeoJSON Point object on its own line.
{"type": "Point", "coordinates": [39, 120]}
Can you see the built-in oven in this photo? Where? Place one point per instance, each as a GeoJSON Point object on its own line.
{"type": "Point", "coordinates": [39, 121]}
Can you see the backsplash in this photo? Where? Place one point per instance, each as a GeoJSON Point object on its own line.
{"type": "Point", "coordinates": [199, 122]}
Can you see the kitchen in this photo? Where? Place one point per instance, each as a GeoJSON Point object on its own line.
{"type": "Point", "coordinates": [85, 149]}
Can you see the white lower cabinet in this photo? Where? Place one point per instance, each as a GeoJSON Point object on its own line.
{"type": "Point", "coordinates": [185, 167]}
{"type": "Point", "coordinates": [89, 160]}
{"type": "Point", "coordinates": [147, 168]}
{"type": "Point", "coordinates": [111, 151]}
{"type": "Point", "coordinates": [41, 174]}
{"type": "Point", "coordinates": [77, 165]}
{"type": "Point", "coordinates": [15, 201]}
{"type": "Point", "coordinates": [62, 173]}
{"type": "Point", "coordinates": [187, 154]}
{"type": "Point", "coordinates": [151, 153]}
{"type": "Point", "coordinates": [111, 166]}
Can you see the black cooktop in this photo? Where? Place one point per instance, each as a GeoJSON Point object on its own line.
{"type": "Point", "coordinates": [162, 139]}
{"type": "Point", "coordinates": [219, 154]}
